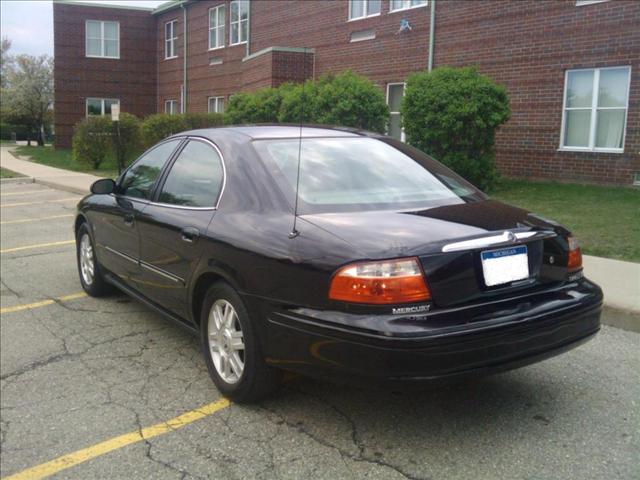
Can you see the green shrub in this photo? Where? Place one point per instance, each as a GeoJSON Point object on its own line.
{"type": "Point", "coordinates": [159, 126]}
{"type": "Point", "coordinates": [261, 106]}
{"type": "Point", "coordinates": [6, 129]}
{"type": "Point", "coordinates": [453, 114]}
{"type": "Point", "coordinates": [345, 99]}
{"type": "Point", "coordinates": [92, 140]}
{"type": "Point", "coordinates": [194, 121]}
{"type": "Point", "coordinates": [130, 143]}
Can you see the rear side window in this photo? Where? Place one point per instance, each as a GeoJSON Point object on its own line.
{"type": "Point", "coordinates": [139, 180]}
{"type": "Point", "coordinates": [195, 179]}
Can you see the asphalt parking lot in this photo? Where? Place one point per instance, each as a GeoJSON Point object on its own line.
{"type": "Point", "coordinates": [88, 386]}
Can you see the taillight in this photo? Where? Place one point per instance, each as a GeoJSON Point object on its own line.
{"type": "Point", "coordinates": [574, 261]}
{"type": "Point", "coordinates": [385, 282]}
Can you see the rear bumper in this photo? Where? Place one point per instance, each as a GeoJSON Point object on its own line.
{"type": "Point", "coordinates": [445, 345]}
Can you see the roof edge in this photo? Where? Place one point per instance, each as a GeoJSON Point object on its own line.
{"type": "Point", "coordinates": [102, 5]}
{"type": "Point", "coordinates": [279, 49]}
{"type": "Point", "coordinates": [170, 5]}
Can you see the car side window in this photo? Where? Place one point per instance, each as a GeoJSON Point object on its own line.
{"type": "Point", "coordinates": [195, 179]}
{"type": "Point", "coordinates": [138, 181]}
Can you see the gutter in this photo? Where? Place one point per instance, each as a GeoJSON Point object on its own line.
{"type": "Point", "coordinates": [184, 60]}
{"type": "Point", "coordinates": [432, 32]}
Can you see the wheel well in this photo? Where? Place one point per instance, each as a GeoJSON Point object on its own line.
{"type": "Point", "coordinates": [202, 285]}
{"type": "Point", "coordinates": [79, 221]}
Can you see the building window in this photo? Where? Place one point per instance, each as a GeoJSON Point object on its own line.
{"type": "Point", "coordinates": [395, 92]}
{"type": "Point", "coordinates": [405, 4]}
{"type": "Point", "coordinates": [216, 27]}
{"type": "Point", "coordinates": [363, 8]}
{"type": "Point", "coordinates": [102, 39]}
{"type": "Point", "coordinates": [170, 39]}
{"type": "Point", "coordinates": [171, 107]}
{"type": "Point", "coordinates": [595, 109]}
{"type": "Point", "coordinates": [216, 104]}
{"type": "Point", "coordinates": [239, 22]}
{"type": "Point", "coordinates": [100, 106]}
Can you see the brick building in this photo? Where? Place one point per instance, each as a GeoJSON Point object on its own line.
{"type": "Point", "coordinates": [570, 66]}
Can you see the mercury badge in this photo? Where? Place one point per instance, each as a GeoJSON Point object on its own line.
{"type": "Point", "coordinates": [416, 309]}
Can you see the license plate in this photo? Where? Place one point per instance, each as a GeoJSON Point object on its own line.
{"type": "Point", "coordinates": [505, 265]}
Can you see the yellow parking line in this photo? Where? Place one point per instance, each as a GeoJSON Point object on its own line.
{"type": "Point", "coordinates": [24, 204]}
{"type": "Point", "coordinates": [26, 220]}
{"type": "Point", "coordinates": [43, 303]}
{"type": "Point", "coordinates": [79, 456]}
{"type": "Point", "coordinates": [31, 192]}
{"type": "Point", "coordinates": [39, 245]}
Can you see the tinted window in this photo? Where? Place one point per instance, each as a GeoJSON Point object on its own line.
{"type": "Point", "coordinates": [139, 180]}
{"type": "Point", "coordinates": [351, 174]}
{"type": "Point", "coordinates": [195, 178]}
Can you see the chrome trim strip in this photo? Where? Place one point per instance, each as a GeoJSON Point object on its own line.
{"type": "Point", "coordinates": [505, 237]}
{"type": "Point", "coordinates": [120, 254]}
{"type": "Point", "coordinates": [170, 276]}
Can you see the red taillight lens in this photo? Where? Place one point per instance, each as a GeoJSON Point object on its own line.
{"type": "Point", "coordinates": [574, 261]}
{"type": "Point", "coordinates": [386, 282]}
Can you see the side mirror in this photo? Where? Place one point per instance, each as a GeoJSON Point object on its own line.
{"type": "Point", "coordinates": [104, 186]}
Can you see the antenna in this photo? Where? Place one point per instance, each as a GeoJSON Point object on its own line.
{"type": "Point", "coordinates": [294, 232]}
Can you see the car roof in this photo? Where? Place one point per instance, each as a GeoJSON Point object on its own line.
{"type": "Point", "coordinates": [280, 131]}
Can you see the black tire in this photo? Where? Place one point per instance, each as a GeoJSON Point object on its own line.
{"type": "Point", "coordinates": [98, 287]}
{"type": "Point", "coordinates": [257, 379]}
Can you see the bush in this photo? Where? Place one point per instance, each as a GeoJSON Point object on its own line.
{"type": "Point", "coordinates": [453, 114]}
{"type": "Point", "coordinates": [162, 125]}
{"type": "Point", "coordinates": [130, 138]}
{"type": "Point", "coordinates": [92, 140]}
{"type": "Point", "coordinates": [7, 129]}
{"type": "Point", "coordinates": [261, 106]}
{"type": "Point", "coordinates": [345, 99]}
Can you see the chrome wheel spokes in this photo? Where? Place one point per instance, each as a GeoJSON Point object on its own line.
{"type": "Point", "coordinates": [226, 341]}
{"type": "Point", "coordinates": [87, 265]}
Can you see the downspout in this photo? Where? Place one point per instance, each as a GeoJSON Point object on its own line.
{"type": "Point", "coordinates": [432, 32]}
{"type": "Point", "coordinates": [184, 54]}
{"type": "Point", "coordinates": [248, 28]}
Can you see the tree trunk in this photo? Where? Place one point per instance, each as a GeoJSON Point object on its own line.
{"type": "Point", "coordinates": [41, 136]}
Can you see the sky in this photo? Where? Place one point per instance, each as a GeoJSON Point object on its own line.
{"type": "Point", "coordinates": [29, 24]}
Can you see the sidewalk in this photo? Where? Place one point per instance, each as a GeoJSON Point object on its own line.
{"type": "Point", "coordinates": [69, 181]}
{"type": "Point", "coordinates": [619, 280]}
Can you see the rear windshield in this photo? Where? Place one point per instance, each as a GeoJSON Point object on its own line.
{"type": "Point", "coordinates": [352, 174]}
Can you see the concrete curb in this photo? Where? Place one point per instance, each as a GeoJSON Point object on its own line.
{"type": "Point", "coordinates": [17, 180]}
{"type": "Point", "coordinates": [62, 186]}
{"type": "Point", "coordinates": [622, 319]}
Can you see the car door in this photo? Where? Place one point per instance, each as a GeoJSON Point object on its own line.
{"type": "Point", "coordinates": [171, 227]}
{"type": "Point", "coordinates": [116, 231]}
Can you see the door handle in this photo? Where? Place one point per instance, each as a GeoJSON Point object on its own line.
{"type": "Point", "coordinates": [128, 219]}
{"type": "Point", "coordinates": [190, 234]}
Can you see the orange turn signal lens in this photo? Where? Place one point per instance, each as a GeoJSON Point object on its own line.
{"type": "Point", "coordinates": [574, 261]}
{"type": "Point", "coordinates": [386, 282]}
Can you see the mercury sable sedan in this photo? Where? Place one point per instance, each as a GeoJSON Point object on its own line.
{"type": "Point", "coordinates": [335, 253]}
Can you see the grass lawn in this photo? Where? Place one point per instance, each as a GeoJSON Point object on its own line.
{"type": "Point", "coordinates": [61, 158]}
{"type": "Point", "coordinates": [4, 173]}
{"type": "Point", "coordinates": [606, 220]}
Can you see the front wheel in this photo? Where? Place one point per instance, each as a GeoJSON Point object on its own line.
{"type": "Point", "coordinates": [90, 273]}
{"type": "Point", "coordinates": [231, 348]}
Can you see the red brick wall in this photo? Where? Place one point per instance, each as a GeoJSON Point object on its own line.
{"type": "Point", "coordinates": [132, 78]}
{"type": "Point", "coordinates": [528, 46]}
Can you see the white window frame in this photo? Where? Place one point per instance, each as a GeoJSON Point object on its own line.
{"type": "Point", "coordinates": [102, 39]}
{"type": "Point", "coordinates": [217, 100]}
{"type": "Point", "coordinates": [594, 112]}
{"type": "Point", "coordinates": [238, 22]}
{"type": "Point", "coordinates": [404, 88]}
{"type": "Point", "coordinates": [173, 40]}
{"type": "Point", "coordinates": [102, 105]}
{"type": "Point", "coordinates": [392, 10]}
{"type": "Point", "coordinates": [168, 108]}
{"type": "Point", "coordinates": [365, 10]}
{"type": "Point", "coordinates": [217, 26]}
{"type": "Point", "coordinates": [582, 3]}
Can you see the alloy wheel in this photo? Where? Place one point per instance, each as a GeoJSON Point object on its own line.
{"type": "Point", "coordinates": [87, 266]}
{"type": "Point", "coordinates": [226, 341]}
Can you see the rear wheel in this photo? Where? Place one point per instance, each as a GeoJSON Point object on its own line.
{"type": "Point", "coordinates": [231, 348]}
{"type": "Point", "coordinates": [90, 273]}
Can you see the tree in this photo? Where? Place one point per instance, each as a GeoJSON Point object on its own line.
{"type": "Point", "coordinates": [6, 61]}
{"type": "Point", "coordinates": [29, 93]}
{"type": "Point", "coordinates": [453, 114]}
